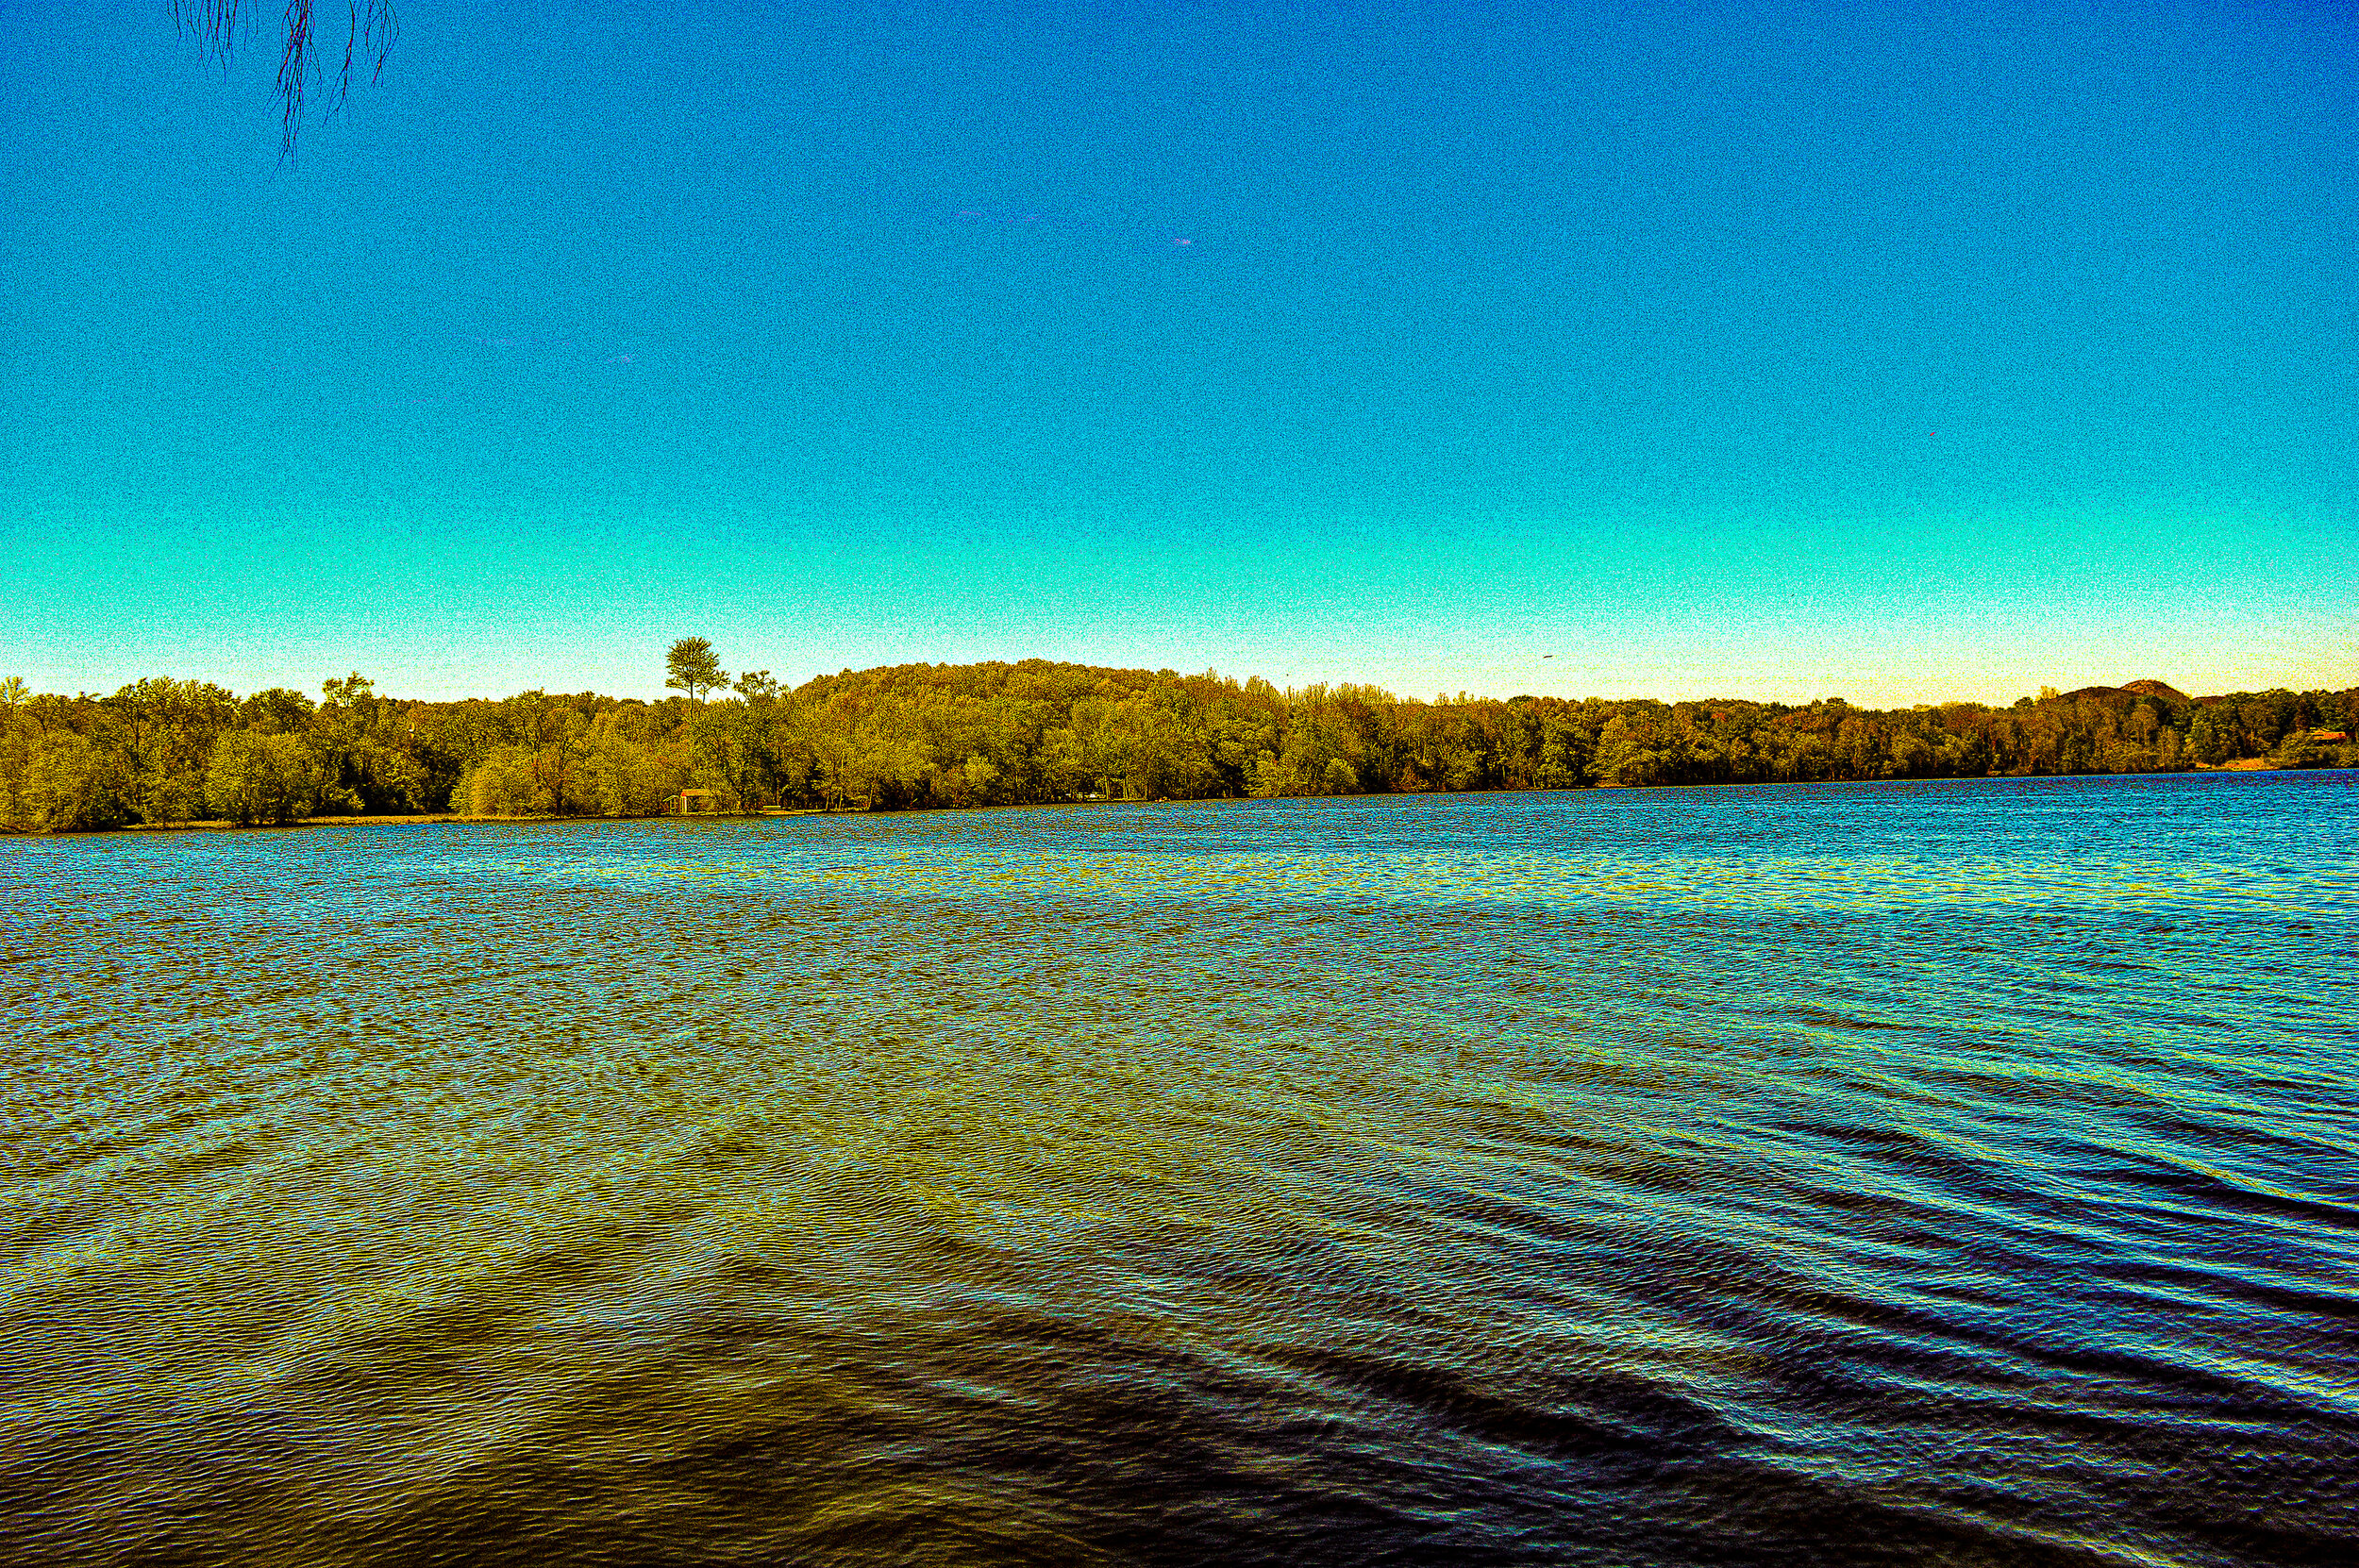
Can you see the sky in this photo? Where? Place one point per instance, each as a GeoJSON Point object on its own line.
{"type": "Point", "coordinates": [1900, 353]}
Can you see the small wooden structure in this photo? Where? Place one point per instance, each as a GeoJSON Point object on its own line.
{"type": "Point", "coordinates": [709, 803]}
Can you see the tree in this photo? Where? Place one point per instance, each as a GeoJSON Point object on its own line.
{"type": "Point", "coordinates": [366, 768]}
{"type": "Point", "coordinates": [72, 783]}
{"type": "Point", "coordinates": [165, 731]}
{"type": "Point", "coordinates": [505, 784]}
{"type": "Point", "coordinates": [263, 777]}
{"type": "Point", "coordinates": [693, 667]}
{"type": "Point", "coordinates": [369, 34]}
{"type": "Point", "coordinates": [277, 711]}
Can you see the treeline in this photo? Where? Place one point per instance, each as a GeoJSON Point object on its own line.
{"type": "Point", "coordinates": [920, 735]}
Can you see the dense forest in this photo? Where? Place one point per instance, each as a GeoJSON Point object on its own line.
{"type": "Point", "coordinates": [923, 735]}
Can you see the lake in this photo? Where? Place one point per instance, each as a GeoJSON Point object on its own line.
{"type": "Point", "coordinates": [1963, 1173]}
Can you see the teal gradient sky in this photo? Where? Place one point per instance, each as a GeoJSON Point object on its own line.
{"type": "Point", "coordinates": [1901, 352]}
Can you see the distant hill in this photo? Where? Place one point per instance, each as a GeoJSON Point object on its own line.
{"type": "Point", "coordinates": [2134, 689]}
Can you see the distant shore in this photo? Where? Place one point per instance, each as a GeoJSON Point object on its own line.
{"type": "Point", "coordinates": [407, 819]}
{"type": "Point", "coordinates": [223, 826]}
{"type": "Point", "coordinates": [183, 754]}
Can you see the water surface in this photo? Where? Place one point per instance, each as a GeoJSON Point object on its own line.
{"type": "Point", "coordinates": [1965, 1173]}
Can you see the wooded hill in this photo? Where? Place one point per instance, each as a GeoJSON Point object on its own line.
{"type": "Point", "coordinates": [931, 734]}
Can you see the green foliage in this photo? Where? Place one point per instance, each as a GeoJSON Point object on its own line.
{"type": "Point", "coordinates": [505, 784]}
{"type": "Point", "coordinates": [164, 731]}
{"type": "Point", "coordinates": [72, 782]}
{"type": "Point", "coordinates": [263, 777]}
{"type": "Point", "coordinates": [925, 735]}
{"type": "Point", "coordinates": [370, 750]}
{"type": "Point", "coordinates": [276, 712]}
{"type": "Point", "coordinates": [622, 776]}
{"type": "Point", "coordinates": [693, 667]}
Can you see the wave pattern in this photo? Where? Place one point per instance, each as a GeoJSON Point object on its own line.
{"type": "Point", "coordinates": [1965, 1172]}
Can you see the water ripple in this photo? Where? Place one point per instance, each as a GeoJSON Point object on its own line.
{"type": "Point", "coordinates": [1962, 1172]}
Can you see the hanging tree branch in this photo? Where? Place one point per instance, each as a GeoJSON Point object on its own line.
{"type": "Point", "coordinates": [369, 33]}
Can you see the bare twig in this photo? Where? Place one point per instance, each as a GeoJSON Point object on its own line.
{"type": "Point", "coordinates": [370, 30]}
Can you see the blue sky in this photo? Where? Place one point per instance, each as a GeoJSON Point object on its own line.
{"type": "Point", "coordinates": [1903, 353]}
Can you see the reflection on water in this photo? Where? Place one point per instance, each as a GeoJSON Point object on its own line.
{"type": "Point", "coordinates": [1965, 1172]}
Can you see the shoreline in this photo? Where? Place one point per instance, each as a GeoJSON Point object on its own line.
{"type": "Point", "coordinates": [220, 825]}
{"type": "Point", "coordinates": [2241, 766]}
